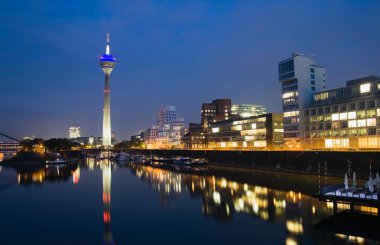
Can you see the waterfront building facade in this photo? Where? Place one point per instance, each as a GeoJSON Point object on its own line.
{"type": "Point", "coordinates": [346, 117]}
{"type": "Point", "coordinates": [168, 132]}
{"type": "Point", "coordinates": [217, 110]}
{"type": "Point", "coordinates": [74, 132]}
{"type": "Point", "coordinates": [195, 137]}
{"type": "Point", "coordinates": [300, 78]}
{"type": "Point", "coordinates": [247, 110]}
{"type": "Point", "coordinates": [258, 132]}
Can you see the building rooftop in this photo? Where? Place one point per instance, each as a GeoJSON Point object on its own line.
{"type": "Point", "coordinates": [361, 80]}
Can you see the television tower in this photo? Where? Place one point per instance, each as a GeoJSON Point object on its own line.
{"type": "Point", "coordinates": [107, 62]}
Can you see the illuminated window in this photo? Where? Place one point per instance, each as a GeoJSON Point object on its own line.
{"type": "Point", "coordinates": [371, 122]}
{"type": "Point", "coordinates": [352, 115]}
{"type": "Point", "coordinates": [362, 123]}
{"type": "Point", "coordinates": [260, 143]}
{"type": "Point", "coordinates": [352, 124]}
{"type": "Point", "coordinates": [245, 144]}
{"type": "Point", "coordinates": [321, 96]}
{"type": "Point", "coordinates": [278, 130]}
{"type": "Point", "coordinates": [338, 143]}
{"type": "Point", "coordinates": [223, 144]}
{"type": "Point", "coordinates": [248, 138]}
{"type": "Point", "coordinates": [367, 142]}
{"type": "Point", "coordinates": [328, 143]}
{"type": "Point", "coordinates": [237, 127]}
{"type": "Point", "coordinates": [254, 126]}
{"type": "Point", "coordinates": [371, 113]}
{"type": "Point", "coordinates": [234, 144]}
{"type": "Point", "coordinates": [365, 88]}
{"type": "Point", "coordinates": [289, 95]}
{"type": "Point", "coordinates": [291, 113]}
{"type": "Point", "coordinates": [378, 112]}
{"type": "Point", "coordinates": [343, 116]}
{"type": "Point", "coordinates": [335, 117]}
{"type": "Point", "coordinates": [215, 130]}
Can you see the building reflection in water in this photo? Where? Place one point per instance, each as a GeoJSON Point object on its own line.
{"type": "Point", "coordinates": [51, 174]}
{"type": "Point", "coordinates": [221, 198]}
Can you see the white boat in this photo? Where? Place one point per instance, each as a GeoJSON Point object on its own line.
{"type": "Point", "coordinates": [55, 162]}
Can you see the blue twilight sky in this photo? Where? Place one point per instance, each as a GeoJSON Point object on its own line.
{"type": "Point", "coordinates": [169, 52]}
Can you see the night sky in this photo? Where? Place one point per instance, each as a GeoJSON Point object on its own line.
{"type": "Point", "coordinates": [179, 52]}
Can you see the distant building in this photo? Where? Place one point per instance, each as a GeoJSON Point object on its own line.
{"type": "Point", "coordinates": [247, 110]}
{"type": "Point", "coordinates": [168, 132]}
{"type": "Point", "coordinates": [300, 78]}
{"type": "Point", "coordinates": [259, 132]}
{"type": "Point", "coordinates": [217, 110]}
{"type": "Point", "coordinates": [137, 140]}
{"type": "Point", "coordinates": [195, 137]}
{"type": "Point", "coordinates": [346, 117]}
{"type": "Point", "coordinates": [90, 141]}
{"type": "Point", "coordinates": [113, 138]}
{"type": "Point", "coordinates": [74, 132]}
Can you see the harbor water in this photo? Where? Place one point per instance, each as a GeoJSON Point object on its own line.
{"type": "Point", "coordinates": [103, 202]}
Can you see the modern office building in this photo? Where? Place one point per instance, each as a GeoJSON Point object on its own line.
{"type": "Point", "coordinates": [107, 62]}
{"type": "Point", "coordinates": [300, 79]}
{"type": "Point", "coordinates": [168, 132]}
{"type": "Point", "coordinates": [247, 110]}
{"type": "Point", "coordinates": [258, 132]}
{"type": "Point", "coordinates": [347, 117]}
{"type": "Point", "coordinates": [217, 110]}
{"type": "Point", "coordinates": [74, 132]}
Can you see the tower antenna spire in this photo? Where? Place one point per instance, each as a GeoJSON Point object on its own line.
{"type": "Point", "coordinates": [108, 44]}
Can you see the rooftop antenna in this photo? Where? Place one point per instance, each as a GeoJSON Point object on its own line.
{"type": "Point", "coordinates": [108, 44]}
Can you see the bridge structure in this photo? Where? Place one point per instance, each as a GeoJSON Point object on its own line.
{"type": "Point", "coordinates": [9, 144]}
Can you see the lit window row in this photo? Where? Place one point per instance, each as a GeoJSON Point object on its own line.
{"type": "Point", "coordinates": [291, 113]}
{"type": "Point", "coordinates": [321, 96]}
{"type": "Point", "coordinates": [289, 94]}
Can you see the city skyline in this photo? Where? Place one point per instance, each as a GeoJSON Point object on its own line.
{"type": "Point", "coordinates": [180, 54]}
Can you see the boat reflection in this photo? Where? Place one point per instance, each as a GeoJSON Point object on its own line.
{"type": "Point", "coordinates": [222, 198]}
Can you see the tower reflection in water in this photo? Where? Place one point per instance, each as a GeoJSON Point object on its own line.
{"type": "Point", "coordinates": [106, 172]}
{"type": "Point", "coordinates": [106, 167]}
{"type": "Point", "coordinates": [221, 198]}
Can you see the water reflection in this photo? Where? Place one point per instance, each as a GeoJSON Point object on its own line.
{"type": "Point", "coordinates": [47, 174]}
{"type": "Point", "coordinates": [106, 172]}
{"type": "Point", "coordinates": [223, 198]}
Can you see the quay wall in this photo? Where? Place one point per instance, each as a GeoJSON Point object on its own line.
{"type": "Point", "coordinates": [330, 163]}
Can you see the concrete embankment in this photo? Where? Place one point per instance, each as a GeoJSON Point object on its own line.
{"type": "Point", "coordinates": [330, 163]}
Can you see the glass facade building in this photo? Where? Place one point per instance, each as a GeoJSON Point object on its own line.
{"type": "Point", "coordinates": [258, 132]}
{"type": "Point", "coordinates": [300, 78]}
{"type": "Point", "coordinates": [347, 117]}
{"type": "Point", "coordinates": [246, 110]}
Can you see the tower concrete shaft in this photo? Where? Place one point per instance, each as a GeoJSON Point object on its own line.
{"type": "Point", "coordinates": [107, 112]}
{"type": "Point", "coordinates": [107, 62]}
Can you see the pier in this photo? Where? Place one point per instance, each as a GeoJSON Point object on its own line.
{"type": "Point", "coordinates": [353, 196]}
